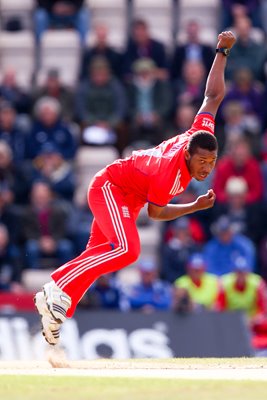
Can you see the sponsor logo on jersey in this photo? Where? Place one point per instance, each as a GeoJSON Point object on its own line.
{"type": "Point", "coordinates": [207, 123]}
{"type": "Point", "coordinates": [176, 187]}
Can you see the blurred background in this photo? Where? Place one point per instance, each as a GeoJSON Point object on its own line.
{"type": "Point", "coordinates": [85, 82]}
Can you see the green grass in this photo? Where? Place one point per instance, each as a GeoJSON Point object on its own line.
{"type": "Point", "coordinates": [85, 388]}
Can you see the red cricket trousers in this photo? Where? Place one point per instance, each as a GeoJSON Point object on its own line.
{"type": "Point", "coordinates": [114, 241]}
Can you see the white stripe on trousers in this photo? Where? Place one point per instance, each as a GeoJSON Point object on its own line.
{"type": "Point", "coordinates": [81, 263]}
{"type": "Point", "coordinates": [85, 264]}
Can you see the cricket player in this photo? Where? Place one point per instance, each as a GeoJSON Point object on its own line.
{"type": "Point", "coordinates": [118, 192]}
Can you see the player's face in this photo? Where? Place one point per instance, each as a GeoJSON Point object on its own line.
{"type": "Point", "coordinates": [201, 163]}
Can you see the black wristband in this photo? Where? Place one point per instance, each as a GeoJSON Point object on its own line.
{"type": "Point", "coordinates": [223, 50]}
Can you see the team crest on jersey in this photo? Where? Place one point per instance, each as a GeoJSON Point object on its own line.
{"type": "Point", "coordinates": [207, 123]}
{"type": "Point", "coordinates": [125, 212]}
{"type": "Point", "coordinates": [176, 187]}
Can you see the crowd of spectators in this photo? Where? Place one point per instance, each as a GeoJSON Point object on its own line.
{"type": "Point", "coordinates": [137, 98]}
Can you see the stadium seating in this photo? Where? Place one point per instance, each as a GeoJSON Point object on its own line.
{"type": "Point", "coordinates": [90, 160]}
{"type": "Point", "coordinates": [205, 12]}
{"type": "Point", "coordinates": [17, 50]}
{"type": "Point", "coordinates": [21, 9]}
{"type": "Point", "coordinates": [114, 15]}
{"type": "Point", "coordinates": [159, 15]}
{"type": "Point", "coordinates": [33, 279]}
{"type": "Point", "coordinates": [60, 49]}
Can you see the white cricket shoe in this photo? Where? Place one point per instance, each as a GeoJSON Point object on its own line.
{"type": "Point", "coordinates": [57, 301]}
{"type": "Point", "coordinates": [52, 304]}
{"type": "Point", "coordinates": [50, 327]}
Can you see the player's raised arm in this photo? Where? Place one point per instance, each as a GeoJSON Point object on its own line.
{"type": "Point", "coordinates": [215, 86]}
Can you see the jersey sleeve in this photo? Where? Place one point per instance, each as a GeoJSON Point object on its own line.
{"type": "Point", "coordinates": [203, 122]}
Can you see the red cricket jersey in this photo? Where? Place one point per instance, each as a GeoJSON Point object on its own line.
{"type": "Point", "coordinates": [158, 174]}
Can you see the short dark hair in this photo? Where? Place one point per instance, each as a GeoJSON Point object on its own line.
{"type": "Point", "coordinates": [202, 139]}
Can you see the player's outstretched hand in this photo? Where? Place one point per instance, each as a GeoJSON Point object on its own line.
{"type": "Point", "coordinates": [205, 201]}
{"type": "Point", "coordinates": [226, 39]}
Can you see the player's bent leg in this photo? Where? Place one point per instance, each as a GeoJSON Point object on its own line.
{"type": "Point", "coordinates": [115, 224]}
{"type": "Point", "coordinates": [53, 303]}
{"type": "Point", "coordinates": [77, 280]}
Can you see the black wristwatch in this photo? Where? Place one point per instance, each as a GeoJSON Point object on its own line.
{"type": "Point", "coordinates": [224, 50]}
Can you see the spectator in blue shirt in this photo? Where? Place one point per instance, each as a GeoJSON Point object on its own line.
{"type": "Point", "coordinates": [225, 246]}
{"type": "Point", "coordinates": [49, 127]}
{"type": "Point", "coordinates": [50, 166]}
{"type": "Point", "coordinates": [11, 133]}
{"type": "Point", "coordinates": [106, 293]}
{"type": "Point", "coordinates": [103, 294]}
{"type": "Point", "coordinates": [62, 14]}
{"type": "Point", "coordinates": [150, 293]}
{"type": "Point", "coordinates": [11, 92]}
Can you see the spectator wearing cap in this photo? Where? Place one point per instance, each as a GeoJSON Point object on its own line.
{"type": "Point", "coordinates": [150, 293]}
{"type": "Point", "coordinates": [149, 103]}
{"type": "Point", "coordinates": [101, 107]}
{"type": "Point", "coordinates": [177, 250]}
{"type": "Point", "coordinates": [43, 229]}
{"type": "Point", "coordinates": [11, 132]}
{"type": "Point", "coordinates": [54, 87]}
{"type": "Point", "coordinates": [244, 290]}
{"type": "Point", "coordinates": [245, 218]}
{"type": "Point", "coordinates": [49, 127]}
{"type": "Point", "coordinates": [101, 47]}
{"type": "Point", "coordinates": [225, 245]}
{"type": "Point", "coordinates": [50, 166]}
{"type": "Point", "coordinates": [239, 162]}
{"type": "Point", "coordinates": [199, 287]}
{"type": "Point", "coordinates": [142, 45]}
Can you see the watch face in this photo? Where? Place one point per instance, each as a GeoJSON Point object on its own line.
{"type": "Point", "coordinates": [226, 52]}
